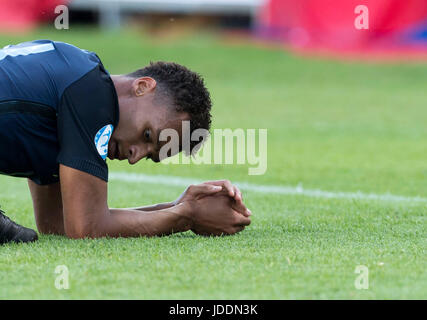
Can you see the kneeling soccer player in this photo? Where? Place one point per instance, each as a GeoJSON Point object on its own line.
{"type": "Point", "coordinates": [62, 114]}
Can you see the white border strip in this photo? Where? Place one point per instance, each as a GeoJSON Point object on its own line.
{"type": "Point", "coordinates": [275, 189]}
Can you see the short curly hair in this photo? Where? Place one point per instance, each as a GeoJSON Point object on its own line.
{"type": "Point", "coordinates": [187, 91]}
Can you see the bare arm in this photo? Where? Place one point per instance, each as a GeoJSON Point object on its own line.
{"type": "Point", "coordinates": [209, 188]}
{"type": "Point", "coordinates": [47, 205]}
{"type": "Point", "coordinates": [86, 213]}
{"type": "Point", "coordinates": [154, 207]}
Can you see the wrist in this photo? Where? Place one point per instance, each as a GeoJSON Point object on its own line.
{"type": "Point", "coordinates": [186, 212]}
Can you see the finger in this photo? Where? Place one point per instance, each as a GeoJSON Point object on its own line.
{"type": "Point", "coordinates": [239, 201]}
{"type": "Point", "coordinates": [242, 220]}
{"type": "Point", "coordinates": [225, 184]}
{"type": "Point", "coordinates": [239, 229]}
{"type": "Point", "coordinates": [229, 187]}
{"type": "Point", "coordinates": [240, 207]}
{"type": "Point", "coordinates": [204, 189]}
{"type": "Point", "coordinates": [237, 204]}
{"type": "Point", "coordinates": [237, 194]}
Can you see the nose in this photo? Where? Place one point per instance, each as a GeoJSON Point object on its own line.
{"type": "Point", "coordinates": [135, 155]}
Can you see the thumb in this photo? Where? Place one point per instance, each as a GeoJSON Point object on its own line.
{"type": "Point", "coordinates": [205, 189]}
{"type": "Point", "coordinates": [213, 189]}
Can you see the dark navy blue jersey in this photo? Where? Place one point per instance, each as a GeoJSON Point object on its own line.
{"type": "Point", "coordinates": [57, 105]}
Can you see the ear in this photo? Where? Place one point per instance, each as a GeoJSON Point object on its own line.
{"type": "Point", "coordinates": [144, 85]}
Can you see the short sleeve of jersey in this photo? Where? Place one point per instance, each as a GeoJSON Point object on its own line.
{"type": "Point", "coordinates": [87, 115]}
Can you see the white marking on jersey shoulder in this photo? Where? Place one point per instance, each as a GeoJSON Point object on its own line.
{"type": "Point", "coordinates": [24, 50]}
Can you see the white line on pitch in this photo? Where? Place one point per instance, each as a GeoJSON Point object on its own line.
{"type": "Point", "coordinates": [274, 189]}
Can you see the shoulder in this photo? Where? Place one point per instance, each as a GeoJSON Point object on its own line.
{"type": "Point", "coordinates": [93, 95]}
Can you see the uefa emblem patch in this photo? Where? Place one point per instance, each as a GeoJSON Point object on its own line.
{"type": "Point", "coordinates": [102, 138]}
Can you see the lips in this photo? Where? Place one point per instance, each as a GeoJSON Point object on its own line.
{"type": "Point", "coordinates": [114, 151]}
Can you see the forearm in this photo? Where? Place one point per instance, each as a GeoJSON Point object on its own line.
{"type": "Point", "coordinates": [154, 207]}
{"type": "Point", "coordinates": [131, 223]}
{"type": "Point", "coordinates": [47, 204]}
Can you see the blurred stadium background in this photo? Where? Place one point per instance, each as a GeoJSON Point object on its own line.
{"type": "Point", "coordinates": [395, 26]}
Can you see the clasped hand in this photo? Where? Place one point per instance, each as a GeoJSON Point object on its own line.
{"type": "Point", "coordinates": [217, 208]}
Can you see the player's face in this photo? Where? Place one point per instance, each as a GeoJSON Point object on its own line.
{"type": "Point", "coordinates": [137, 134]}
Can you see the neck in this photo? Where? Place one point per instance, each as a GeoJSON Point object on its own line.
{"type": "Point", "coordinates": [121, 83]}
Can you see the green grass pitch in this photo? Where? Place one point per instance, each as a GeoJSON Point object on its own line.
{"type": "Point", "coordinates": [333, 126]}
